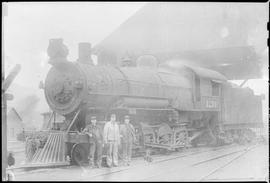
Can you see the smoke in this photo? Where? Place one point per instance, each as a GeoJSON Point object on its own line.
{"type": "Point", "coordinates": [28, 105]}
{"type": "Point", "coordinates": [257, 37]}
{"type": "Point", "coordinates": [264, 64]}
{"type": "Point", "coordinates": [95, 60]}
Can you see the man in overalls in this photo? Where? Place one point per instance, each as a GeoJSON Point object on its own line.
{"type": "Point", "coordinates": [127, 133]}
{"type": "Point", "coordinates": [95, 151]}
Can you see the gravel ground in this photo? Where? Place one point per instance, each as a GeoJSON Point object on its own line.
{"type": "Point", "coordinates": [170, 168]}
{"type": "Point", "coordinates": [18, 149]}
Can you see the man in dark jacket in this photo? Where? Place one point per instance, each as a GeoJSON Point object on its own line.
{"type": "Point", "coordinates": [95, 136]}
{"type": "Point", "coordinates": [127, 134]}
{"type": "Point", "coordinates": [11, 159]}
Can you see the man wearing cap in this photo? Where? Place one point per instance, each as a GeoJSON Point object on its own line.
{"type": "Point", "coordinates": [112, 140]}
{"type": "Point", "coordinates": [95, 135]}
{"type": "Point", "coordinates": [127, 133]}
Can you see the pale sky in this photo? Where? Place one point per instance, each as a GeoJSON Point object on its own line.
{"type": "Point", "coordinates": [29, 26]}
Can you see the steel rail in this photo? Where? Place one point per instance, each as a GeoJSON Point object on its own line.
{"type": "Point", "coordinates": [204, 161]}
{"type": "Point", "coordinates": [167, 159]}
{"type": "Point", "coordinates": [228, 163]}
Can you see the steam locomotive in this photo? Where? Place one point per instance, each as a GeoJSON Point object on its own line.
{"type": "Point", "coordinates": [172, 105]}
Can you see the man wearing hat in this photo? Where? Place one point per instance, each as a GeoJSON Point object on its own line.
{"type": "Point", "coordinates": [127, 133]}
{"type": "Point", "coordinates": [112, 140]}
{"type": "Point", "coordinates": [95, 135]}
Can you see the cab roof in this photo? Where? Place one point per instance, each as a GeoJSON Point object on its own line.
{"type": "Point", "coordinates": [177, 67]}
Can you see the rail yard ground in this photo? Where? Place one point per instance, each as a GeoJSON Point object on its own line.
{"type": "Point", "coordinates": [231, 162]}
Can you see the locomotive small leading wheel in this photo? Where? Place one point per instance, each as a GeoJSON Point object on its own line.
{"type": "Point", "coordinates": [78, 154]}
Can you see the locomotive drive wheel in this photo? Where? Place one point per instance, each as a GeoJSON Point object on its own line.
{"type": "Point", "coordinates": [78, 154]}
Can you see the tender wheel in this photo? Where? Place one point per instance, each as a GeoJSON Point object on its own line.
{"type": "Point", "coordinates": [78, 154]}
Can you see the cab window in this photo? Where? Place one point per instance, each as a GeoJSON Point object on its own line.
{"type": "Point", "coordinates": [197, 88]}
{"type": "Point", "coordinates": [215, 88]}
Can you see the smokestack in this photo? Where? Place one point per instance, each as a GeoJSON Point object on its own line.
{"type": "Point", "coordinates": [57, 51]}
{"type": "Point", "coordinates": [85, 53]}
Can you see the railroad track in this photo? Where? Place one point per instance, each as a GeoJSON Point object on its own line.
{"type": "Point", "coordinates": [196, 152]}
{"type": "Point", "coordinates": [173, 158]}
{"type": "Point", "coordinates": [192, 166]}
{"type": "Point", "coordinates": [227, 163]}
{"type": "Point", "coordinates": [158, 155]}
{"type": "Point", "coordinates": [219, 154]}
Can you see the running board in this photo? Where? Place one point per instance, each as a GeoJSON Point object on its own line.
{"type": "Point", "coordinates": [165, 146]}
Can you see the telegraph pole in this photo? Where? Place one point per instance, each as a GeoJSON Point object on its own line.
{"type": "Point", "coordinates": [4, 102]}
{"type": "Point", "coordinates": [6, 82]}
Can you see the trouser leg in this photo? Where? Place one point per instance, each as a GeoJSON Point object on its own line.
{"type": "Point", "coordinates": [124, 147]}
{"type": "Point", "coordinates": [109, 153]}
{"type": "Point", "coordinates": [98, 153]}
{"type": "Point", "coordinates": [92, 149]}
{"type": "Point", "coordinates": [129, 152]}
{"type": "Point", "coordinates": [115, 154]}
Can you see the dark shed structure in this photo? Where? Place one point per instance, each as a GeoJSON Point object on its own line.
{"type": "Point", "coordinates": [226, 37]}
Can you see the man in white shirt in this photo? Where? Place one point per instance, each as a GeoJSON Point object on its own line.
{"type": "Point", "coordinates": [111, 138]}
{"type": "Point", "coordinates": [95, 134]}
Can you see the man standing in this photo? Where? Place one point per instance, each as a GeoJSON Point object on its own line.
{"type": "Point", "coordinates": [127, 133]}
{"type": "Point", "coordinates": [11, 159]}
{"type": "Point", "coordinates": [112, 140]}
{"type": "Point", "coordinates": [95, 134]}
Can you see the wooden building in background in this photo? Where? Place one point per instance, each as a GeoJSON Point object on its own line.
{"type": "Point", "coordinates": [15, 124]}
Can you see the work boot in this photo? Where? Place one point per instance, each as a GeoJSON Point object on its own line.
{"type": "Point", "coordinates": [98, 165]}
{"type": "Point", "coordinates": [109, 164]}
{"type": "Point", "coordinates": [91, 164]}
